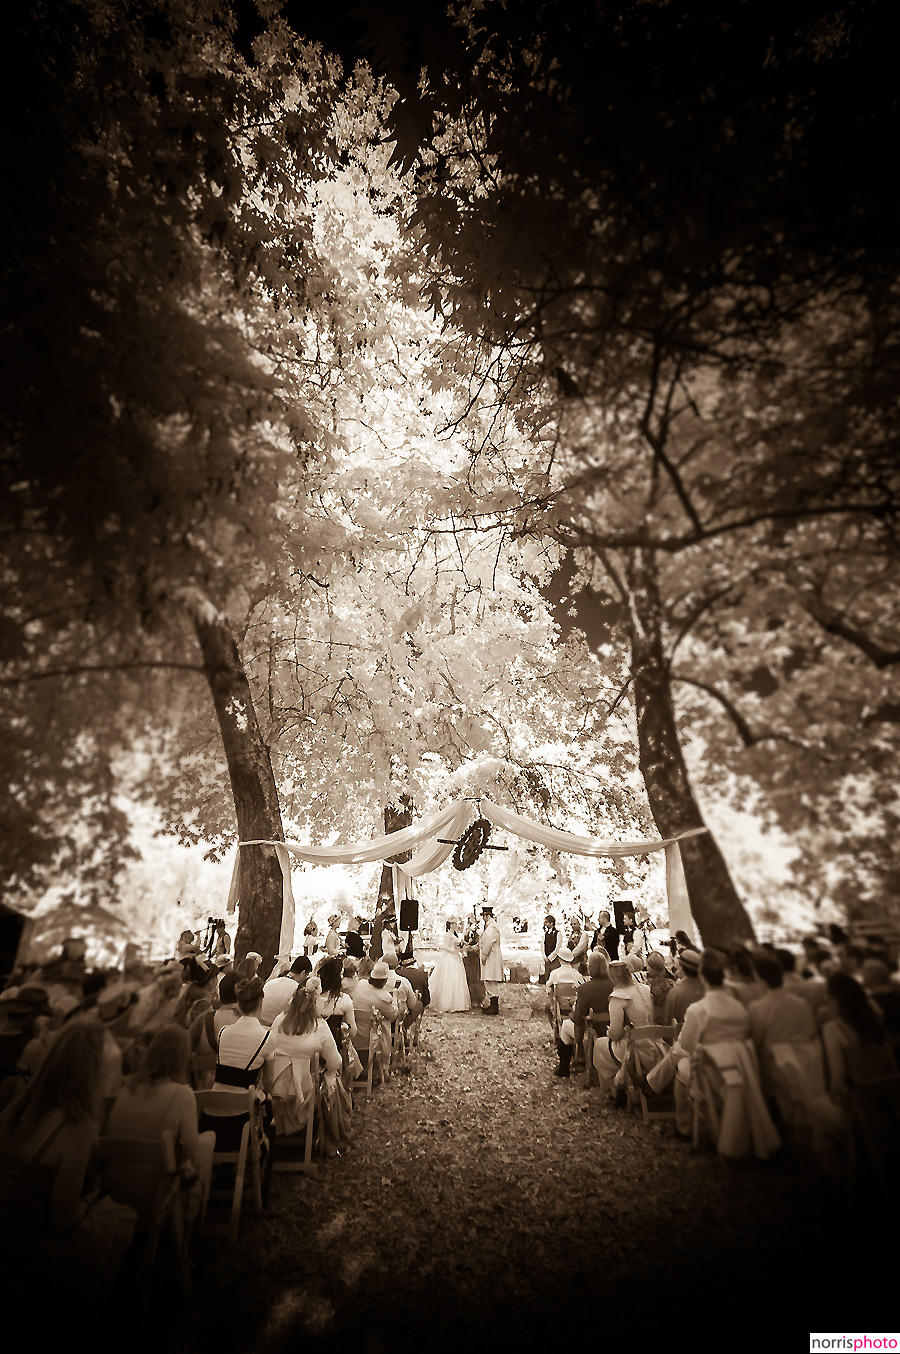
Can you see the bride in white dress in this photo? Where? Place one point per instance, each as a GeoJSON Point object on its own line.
{"type": "Point", "coordinates": [447, 984]}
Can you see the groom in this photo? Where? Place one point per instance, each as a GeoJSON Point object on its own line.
{"type": "Point", "coordinates": [491, 961]}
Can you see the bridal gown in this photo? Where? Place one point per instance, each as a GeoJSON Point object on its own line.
{"type": "Point", "coordinates": [447, 984]}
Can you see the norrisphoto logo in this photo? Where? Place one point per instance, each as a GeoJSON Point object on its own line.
{"type": "Point", "coordinates": [821, 1340]}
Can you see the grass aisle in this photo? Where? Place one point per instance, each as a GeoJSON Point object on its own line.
{"type": "Point", "coordinates": [486, 1201]}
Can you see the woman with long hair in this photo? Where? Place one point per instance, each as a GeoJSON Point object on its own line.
{"type": "Point", "coordinates": [299, 1035]}
{"type": "Point", "coordinates": [157, 1099]}
{"type": "Point", "coordinates": [856, 1039]}
{"type": "Point", "coordinates": [333, 1004]}
{"type": "Point", "coordinates": [53, 1123]}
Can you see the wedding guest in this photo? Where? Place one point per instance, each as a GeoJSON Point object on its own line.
{"type": "Point", "coordinates": [659, 983]}
{"type": "Point", "coordinates": [688, 988]}
{"type": "Point", "coordinates": [551, 947]}
{"type": "Point", "coordinates": [630, 1003]}
{"type": "Point", "coordinates": [332, 944]}
{"type": "Point", "coordinates": [243, 1047]}
{"type": "Point", "coordinates": [876, 979]}
{"type": "Point", "coordinates": [333, 1004]}
{"type": "Point", "coordinates": [278, 992]}
{"type": "Point", "coordinates": [73, 1235]}
{"type": "Point", "coordinates": [780, 1016]}
{"type": "Point", "coordinates": [298, 1035]}
{"type": "Point", "coordinates": [741, 977]}
{"type": "Point", "coordinates": [349, 974]}
{"type": "Point", "coordinates": [204, 1032]}
{"type": "Point", "coordinates": [157, 1099]}
{"type": "Point", "coordinates": [606, 936]}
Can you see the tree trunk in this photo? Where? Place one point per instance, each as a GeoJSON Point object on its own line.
{"type": "Point", "coordinates": [252, 781]}
{"type": "Point", "coordinates": [715, 905]}
{"type": "Point", "coordinates": [396, 817]}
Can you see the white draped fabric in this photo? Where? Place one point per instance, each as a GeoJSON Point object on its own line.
{"type": "Point", "coordinates": [450, 823]}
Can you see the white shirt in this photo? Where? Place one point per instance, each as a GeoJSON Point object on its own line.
{"type": "Point", "coordinates": [277, 996]}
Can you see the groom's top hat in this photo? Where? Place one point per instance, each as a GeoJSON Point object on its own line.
{"type": "Point", "coordinates": [487, 912]}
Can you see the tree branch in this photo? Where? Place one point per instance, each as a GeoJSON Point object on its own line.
{"type": "Point", "coordinates": [99, 667]}
{"type": "Point", "coordinates": [831, 622]}
{"type": "Point", "coordinates": [746, 734]}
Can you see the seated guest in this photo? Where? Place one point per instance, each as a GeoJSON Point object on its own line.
{"type": "Point", "coordinates": [779, 1017]}
{"type": "Point", "coordinates": [243, 1047]}
{"type": "Point", "coordinates": [718, 1017]}
{"type": "Point", "coordinates": [591, 999]}
{"type": "Point", "coordinates": [298, 1034]}
{"type": "Point", "coordinates": [566, 975]}
{"type": "Point", "coordinates": [876, 979]}
{"type": "Point", "coordinates": [155, 1099]}
{"type": "Point", "coordinates": [349, 974]}
{"type": "Point", "coordinates": [279, 992]}
{"type": "Point", "coordinates": [70, 1234]}
{"type": "Point", "coordinates": [199, 993]}
{"type": "Point", "coordinates": [688, 987]}
{"type": "Point", "coordinates": [416, 977]}
{"type": "Point", "coordinates": [25, 1016]}
{"type": "Point", "coordinates": [333, 1004]}
{"type": "Point", "coordinates": [856, 1046]}
{"type": "Point", "coordinates": [812, 990]}
{"type": "Point", "coordinates": [630, 1004]}
{"type": "Point", "coordinates": [205, 1030]}
{"type": "Point", "coordinates": [370, 997]}
{"type": "Point", "coordinates": [741, 977]}
{"type": "Point", "coordinates": [659, 983]}
{"type": "Point", "coordinates": [856, 1042]}
{"type": "Point", "coordinates": [409, 1007]}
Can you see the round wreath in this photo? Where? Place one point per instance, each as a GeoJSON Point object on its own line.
{"type": "Point", "coordinates": [471, 844]}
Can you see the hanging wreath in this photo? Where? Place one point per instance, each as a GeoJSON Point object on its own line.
{"type": "Point", "coordinates": [471, 844]}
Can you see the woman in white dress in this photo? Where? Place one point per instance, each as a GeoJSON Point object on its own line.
{"type": "Point", "coordinates": [447, 984]}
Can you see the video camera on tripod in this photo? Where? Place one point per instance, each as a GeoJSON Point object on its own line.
{"type": "Point", "coordinates": [209, 939]}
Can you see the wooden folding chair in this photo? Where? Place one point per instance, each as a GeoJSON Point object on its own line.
{"type": "Point", "coordinates": [203, 1070]}
{"type": "Point", "coordinates": [874, 1124]}
{"type": "Point", "coordinates": [230, 1105]}
{"type": "Point", "coordinates": [286, 1145]}
{"type": "Point", "coordinates": [562, 1002]}
{"type": "Point", "coordinates": [651, 1107]}
{"type": "Point", "coordinates": [373, 1055]}
{"type": "Point", "coordinates": [595, 1027]}
{"type": "Point", "coordinates": [168, 1203]}
{"type": "Point", "coordinates": [399, 1052]}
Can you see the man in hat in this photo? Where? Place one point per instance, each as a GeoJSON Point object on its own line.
{"type": "Point", "coordinates": [370, 995]}
{"type": "Point", "coordinates": [416, 976]}
{"type": "Point", "coordinates": [566, 978]}
{"type": "Point", "coordinates": [687, 990]}
{"type": "Point", "coordinates": [491, 961]}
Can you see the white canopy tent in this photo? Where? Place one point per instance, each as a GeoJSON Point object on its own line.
{"type": "Point", "coordinates": [450, 823]}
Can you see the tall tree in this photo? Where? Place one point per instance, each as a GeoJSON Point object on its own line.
{"type": "Point", "coordinates": [634, 204]}
{"type": "Point", "coordinates": [163, 300]}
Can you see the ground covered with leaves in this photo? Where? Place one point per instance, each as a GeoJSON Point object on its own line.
{"type": "Point", "coordinates": [486, 1200]}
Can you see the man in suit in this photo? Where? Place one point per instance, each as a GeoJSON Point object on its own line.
{"type": "Point", "coordinates": [491, 961]}
{"type": "Point", "coordinates": [410, 970]}
{"type": "Point", "coordinates": [606, 936]}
